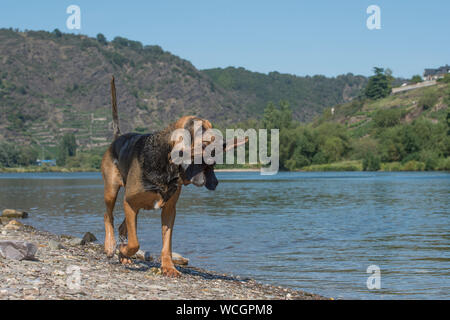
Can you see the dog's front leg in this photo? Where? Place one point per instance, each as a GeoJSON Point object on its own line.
{"type": "Point", "coordinates": [167, 221]}
{"type": "Point", "coordinates": [126, 251]}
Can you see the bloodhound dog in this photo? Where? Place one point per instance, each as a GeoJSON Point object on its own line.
{"type": "Point", "coordinates": [141, 163]}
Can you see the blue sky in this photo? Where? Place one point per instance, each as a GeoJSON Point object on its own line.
{"type": "Point", "coordinates": [297, 37]}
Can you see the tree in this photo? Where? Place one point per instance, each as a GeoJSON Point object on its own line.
{"type": "Point", "coordinates": [379, 85]}
{"type": "Point", "coordinates": [67, 148]}
{"type": "Point", "coordinates": [57, 33]}
{"type": "Point", "coordinates": [416, 79]}
{"type": "Point", "coordinates": [102, 39]}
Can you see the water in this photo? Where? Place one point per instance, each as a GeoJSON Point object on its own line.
{"type": "Point", "coordinates": [312, 231]}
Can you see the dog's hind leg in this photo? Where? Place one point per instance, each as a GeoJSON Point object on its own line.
{"type": "Point", "coordinates": [110, 195]}
{"type": "Point", "coordinates": [112, 183]}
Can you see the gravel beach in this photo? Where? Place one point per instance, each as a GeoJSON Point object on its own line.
{"type": "Point", "coordinates": [65, 269]}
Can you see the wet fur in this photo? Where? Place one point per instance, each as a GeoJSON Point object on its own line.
{"type": "Point", "coordinates": [141, 163]}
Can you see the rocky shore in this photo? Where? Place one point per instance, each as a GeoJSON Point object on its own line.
{"type": "Point", "coordinates": [64, 267]}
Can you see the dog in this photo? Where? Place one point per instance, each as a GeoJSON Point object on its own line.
{"type": "Point", "coordinates": [141, 163]}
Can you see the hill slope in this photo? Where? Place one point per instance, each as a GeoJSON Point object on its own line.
{"type": "Point", "coordinates": [307, 96]}
{"type": "Point", "coordinates": [53, 83]}
{"type": "Point", "coordinates": [404, 131]}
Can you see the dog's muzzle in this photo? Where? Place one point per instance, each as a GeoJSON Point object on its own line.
{"type": "Point", "coordinates": [201, 175]}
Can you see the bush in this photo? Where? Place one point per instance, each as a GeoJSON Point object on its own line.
{"type": "Point", "coordinates": [443, 164]}
{"type": "Point", "coordinates": [391, 166]}
{"type": "Point", "coordinates": [445, 79]}
{"type": "Point", "coordinates": [428, 100]}
{"type": "Point", "coordinates": [371, 162]}
{"type": "Point", "coordinates": [57, 33]}
{"type": "Point", "coordinates": [386, 118]}
{"type": "Point", "coordinates": [430, 159]}
{"type": "Point", "coordinates": [13, 155]}
{"type": "Point", "coordinates": [416, 79]}
{"type": "Point", "coordinates": [102, 39]}
{"type": "Point", "coordinates": [413, 165]}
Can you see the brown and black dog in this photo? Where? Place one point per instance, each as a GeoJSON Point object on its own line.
{"type": "Point", "coordinates": [141, 163]}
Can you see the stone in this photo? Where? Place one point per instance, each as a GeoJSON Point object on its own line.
{"type": "Point", "coordinates": [11, 213]}
{"type": "Point", "coordinates": [75, 241]}
{"type": "Point", "coordinates": [143, 255]}
{"type": "Point", "coordinates": [17, 250]}
{"type": "Point", "coordinates": [55, 245]}
{"type": "Point", "coordinates": [88, 237]}
{"type": "Point", "coordinates": [13, 225]}
{"type": "Point", "coordinates": [4, 220]}
{"type": "Point", "coordinates": [178, 259]}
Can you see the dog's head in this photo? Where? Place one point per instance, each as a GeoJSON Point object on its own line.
{"type": "Point", "coordinates": [200, 174]}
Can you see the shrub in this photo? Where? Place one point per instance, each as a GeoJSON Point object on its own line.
{"type": "Point", "coordinates": [416, 79]}
{"type": "Point", "coordinates": [445, 79]}
{"type": "Point", "coordinates": [428, 100]}
{"type": "Point", "coordinates": [386, 118]}
{"type": "Point", "coordinates": [102, 39]}
{"type": "Point", "coordinates": [57, 33]}
{"type": "Point", "coordinates": [391, 166]}
{"type": "Point", "coordinates": [430, 159]}
{"type": "Point", "coordinates": [371, 162]}
{"type": "Point", "coordinates": [443, 164]}
{"type": "Point", "coordinates": [413, 165]}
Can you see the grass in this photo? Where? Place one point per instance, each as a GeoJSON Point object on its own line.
{"type": "Point", "coordinates": [356, 165]}
{"type": "Point", "coordinates": [350, 165]}
{"type": "Point", "coordinates": [46, 169]}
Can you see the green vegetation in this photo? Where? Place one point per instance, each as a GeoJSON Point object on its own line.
{"type": "Point", "coordinates": [416, 79]}
{"type": "Point", "coordinates": [12, 155]}
{"type": "Point", "coordinates": [428, 100]}
{"type": "Point", "coordinates": [366, 129]}
{"type": "Point", "coordinates": [102, 39]}
{"type": "Point", "coordinates": [403, 132]}
{"type": "Point", "coordinates": [67, 148]}
{"type": "Point", "coordinates": [371, 162]}
{"type": "Point", "coordinates": [306, 95]}
{"type": "Point", "coordinates": [379, 85]}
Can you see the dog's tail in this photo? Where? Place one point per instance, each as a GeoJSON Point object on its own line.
{"type": "Point", "coordinates": [115, 115]}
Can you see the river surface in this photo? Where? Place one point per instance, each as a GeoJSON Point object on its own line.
{"type": "Point", "coordinates": [318, 232]}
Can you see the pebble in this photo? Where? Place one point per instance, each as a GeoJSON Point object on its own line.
{"type": "Point", "coordinates": [11, 213]}
{"type": "Point", "coordinates": [55, 245]}
{"type": "Point", "coordinates": [101, 278]}
{"type": "Point", "coordinates": [75, 241]}
{"type": "Point", "coordinates": [88, 237]}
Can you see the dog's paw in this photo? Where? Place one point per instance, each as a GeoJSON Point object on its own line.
{"type": "Point", "coordinates": [124, 259]}
{"type": "Point", "coordinates": [170, 272]}
{"type": "Point", "coordinates": [110, 249]}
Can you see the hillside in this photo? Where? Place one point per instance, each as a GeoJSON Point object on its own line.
{"type": "Point", "coordinates": [362, 117]}
{"type": "Point", "coordinates": [307, 96]}
{"type": "Point", "coordinates": [54, 83]}
{"type": "Point", "coordinates": [404, 131]}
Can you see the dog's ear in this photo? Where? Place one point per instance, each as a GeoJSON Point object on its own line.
{"type": "Point", "coordinates": [211, 180]}
{"type": "Point", "coordinates": [234, 143]}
